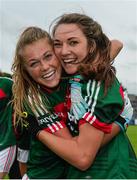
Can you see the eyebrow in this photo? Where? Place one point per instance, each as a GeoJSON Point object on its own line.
{"type": "Point", "coordinates": [67, 39]}
{"type": "Point", "coordinates": [35, 59]}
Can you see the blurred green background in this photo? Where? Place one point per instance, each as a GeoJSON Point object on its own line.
{"type": "Point", "coordinates": [132, 134]}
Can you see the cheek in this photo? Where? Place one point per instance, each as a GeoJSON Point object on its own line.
{"type": "Point", "coordinates": [57, 52]}
{"type": "Point", "coordinates": [59, 70]}
{"type": "Point", "coordinates": [56, 61]}
{"type": "Point", "coordinates": [33, 73]}
{"type": "Point", "coordinates": [84, 53]}
{"type": "Point", "coordinates": [85, 50]}
{"type": "Point", "coordinates": [62, 63]}
{"type": "Point", "coordinates": [57, 65]}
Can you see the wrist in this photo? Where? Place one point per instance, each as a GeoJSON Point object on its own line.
{"type": "Point", "coordinates": [81, 122]}
{"type": "Point", "coordinates": [120, 126]}
{"type": "Point", "coordinates": [122, 123]}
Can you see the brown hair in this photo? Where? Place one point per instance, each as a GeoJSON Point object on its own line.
{"type": "Point", "coordinates": [97, 63]}
{"type": "Point", "coordinates": [24, 87]}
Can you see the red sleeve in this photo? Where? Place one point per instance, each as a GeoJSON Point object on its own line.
{"type": "Point", "coordinates": [106, 128]}
{"type": "Point", "coordinates": [54, 127]}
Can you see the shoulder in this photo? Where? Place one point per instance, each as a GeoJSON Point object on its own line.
{"type": "Point", "coordinates": [6, 80]}
{"type": "Point", "coordinates": [5, 87]}
{"type": "Point", "coordinates": [91, 87]}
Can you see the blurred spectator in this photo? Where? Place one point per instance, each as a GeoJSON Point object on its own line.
{"type": "Point", "coordinates": [7, 136]}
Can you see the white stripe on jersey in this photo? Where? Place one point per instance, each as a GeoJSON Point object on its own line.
{"type": "Point", "coordinates": [90, 94]}
{"type": "Point", "coordinates": [55, 126]}
{"type": "Point", "coordinates": [88, 91]}
{"type": "Point", "coordinates": [94, 118]}
{"type": "Point", "coordinates": [50, 127]}
{"type": "Point", "coordinates": [95, 99]}
{"type": "Point", "coordinates": [39, 111]}
{"type": "Point", "coordinates": [88, 117]}
{"type": "Point", "coordinates": [60, 125]}
{"type": "Point", "coordinates": [7, 157]}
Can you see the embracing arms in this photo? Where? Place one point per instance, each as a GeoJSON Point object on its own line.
{"type": "Point", "coordinates": [76, 151]}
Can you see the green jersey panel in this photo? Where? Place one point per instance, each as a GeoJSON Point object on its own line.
{"type": "Point", "coordinates": [116, 160]}
{"type": "Point", "coordinates": [7, 137]}
{"type": "Point", "coordinates": [42, 162]}
{"type": "Point", "coordinates": [105, 107]}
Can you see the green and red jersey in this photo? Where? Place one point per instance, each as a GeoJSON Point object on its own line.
{"type": "Point", "coordinates": [114, 157]}
{"type": "Point", "coordinates": [7, 137]}
{"type": "Point", "coordinates": [42, 162]}
{"type": "Point", "coordinates": [116, 160]}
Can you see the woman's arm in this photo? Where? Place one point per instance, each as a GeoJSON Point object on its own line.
{"type": "Point", "coordinates": [76, 151]}
{"type": "Point", "coordinates": [23, 168]}
{"type": "Point", "coordinates": [108, 137]}
{"type": "Point", "coordinates": [116, 47]}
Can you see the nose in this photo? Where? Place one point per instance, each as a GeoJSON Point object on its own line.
{"type": "Point", "coordinates": [65, 49]}
{"type": "Point", "coordinates": [44, 65]}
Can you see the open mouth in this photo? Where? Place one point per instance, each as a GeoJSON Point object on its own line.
{"type": "Point", "coordinates": [49, 75]}
{"type": "Point", "coordinates": [70, 61]}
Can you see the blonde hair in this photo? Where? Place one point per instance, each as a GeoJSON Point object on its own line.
{"type": "Point", "coordinates": [26, 92]}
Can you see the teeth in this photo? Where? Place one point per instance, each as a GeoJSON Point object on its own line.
{"type": "Point", "coordinates": [48, 74]}
{"type": "Point", "coordinates": [71, 61]}
{"type": "Point", "coordinates": [68, 60]}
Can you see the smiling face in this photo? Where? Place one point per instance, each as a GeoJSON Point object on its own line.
{"type": "Point", "coordinates": [42, 64]}
{"type": "Point", "coordinates": [71, 46]}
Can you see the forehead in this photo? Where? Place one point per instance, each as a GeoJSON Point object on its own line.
{"type": "Point", "coordinates": [38, 44]}
{"type": "Point", "coordinates": [37, 48]}
{"type": "Point", "coordinates": [64, 30]}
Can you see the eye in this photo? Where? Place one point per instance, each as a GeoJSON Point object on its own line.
{"type": "Point", "coordinates": [73, 43]}
{"type": "Point", "coordinates": [34, 64]}
{"type": "Point", "coordinates": [48, 56]}
{"type": "Point", "coordinates": [57, 44]}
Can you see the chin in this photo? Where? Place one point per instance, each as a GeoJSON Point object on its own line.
{"type": "Point", "coordinates": [70, 71]}
{"type": "Point", "coordinates": [50, 84]}
{"type": "Point", "coordinates": [54, 84]}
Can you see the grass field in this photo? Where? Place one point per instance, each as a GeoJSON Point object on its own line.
{"type": "Point", "coordinates": [132, 134]}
